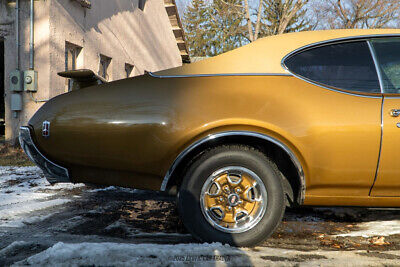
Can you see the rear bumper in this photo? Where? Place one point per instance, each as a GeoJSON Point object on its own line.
{"type": "Point", "coordinates": [54, 173]}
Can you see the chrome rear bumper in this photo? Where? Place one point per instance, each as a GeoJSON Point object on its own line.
{"type": "Point", "coordinates": [54, 173]}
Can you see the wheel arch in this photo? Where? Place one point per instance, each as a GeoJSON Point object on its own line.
{"type": "Point", "coordinates": [287, 161]}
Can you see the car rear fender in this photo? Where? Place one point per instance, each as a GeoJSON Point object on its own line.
{"type": "Point", "coordinates": [243, 137]}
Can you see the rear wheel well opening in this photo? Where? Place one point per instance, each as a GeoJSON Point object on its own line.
{"type": "Point", "coordinates": [292, 181]}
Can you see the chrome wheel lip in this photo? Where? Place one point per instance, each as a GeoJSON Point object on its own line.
{"type": "Point", "coordinates": [254, 221]}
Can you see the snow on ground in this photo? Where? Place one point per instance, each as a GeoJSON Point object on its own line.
{"type": "Point", "coordinates": [23, 192]}
{"type": "Point", "coordinates": [114, 188]}
{"type": "Point", "coordinates": [115, 254]}
{"type": "Point", "coordinates": [376, 228]}
{"type": "Point", "coordinates": [72, 225]}
{"type": "Point", "coordinates": [119, 254]}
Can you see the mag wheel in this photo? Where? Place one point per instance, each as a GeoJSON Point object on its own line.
{"type": "Point", "coordinates": [233, 199]}
{"type": "Point", "coordinates": [232, 194]}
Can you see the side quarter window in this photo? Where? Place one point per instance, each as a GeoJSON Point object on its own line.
{"type": "Point", "coordinates": [348, 66]}
{"type": "Point", "coordinates": [387, 52]}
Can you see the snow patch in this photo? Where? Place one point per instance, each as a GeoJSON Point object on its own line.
{"type": "Point", "coordinates": [376, 228]}
{"type": "Point", "coordinates": [23, 191]}
{"type": "Point", "coordinates": [113, 188]}
{"type": "Point", "coordinates": [14, 246]}
{"type": "Point", "coordinates": [12, 217]}
{"type": "Point", "coordinates": [117, 254]}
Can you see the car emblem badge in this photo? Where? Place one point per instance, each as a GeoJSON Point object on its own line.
{"type": "Point", "coordinates": [46, 129]}
{"type": "Point", "coordinates": [233, 200]}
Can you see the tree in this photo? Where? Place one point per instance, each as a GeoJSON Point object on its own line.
{"type": "Point", "coordinates": [283, 16]}
{"type": "Point", "coordinates": [217, 26]}
{"type": "Point", "coordinates": [350, 14]}
{"type": "Point", "coordinates": [196, 24]}
{"type": "Point", "coordinates": [272, 17]}
{"type": "Point", "coordinates": [226, 25]}
{"type": "Point", "coordinates": [253, 35]}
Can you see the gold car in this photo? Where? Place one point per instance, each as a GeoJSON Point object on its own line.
{"type": "Point", "coordinates": [306, 118]}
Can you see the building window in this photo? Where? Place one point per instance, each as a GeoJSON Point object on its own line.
{"type": "Point", "coordinates": [72, 53]}
{"type": "Point", "coordinates": [128, 70]}
{"type": "Point", "coordinates": [105, 63]}
{"type": "Point", "coordinates": [142, 3]}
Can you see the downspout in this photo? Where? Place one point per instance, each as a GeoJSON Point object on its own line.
{"type": "Point", "coordinates": [31, 42]}
{"type": "Point", "coordinates": [31, 50]}
{"type": "Point", "coordinates": [17, 32]}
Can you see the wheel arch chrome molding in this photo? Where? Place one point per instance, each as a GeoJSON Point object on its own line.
{"type": "Point", "coordinates": [288, 151]}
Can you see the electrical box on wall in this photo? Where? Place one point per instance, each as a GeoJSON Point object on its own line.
{"type": "Point", "coordinates": [30, 80]}
{"type": "Point", "coordinates": [16, 82]}
{"type": "Point", "coordinates": [16, 102]}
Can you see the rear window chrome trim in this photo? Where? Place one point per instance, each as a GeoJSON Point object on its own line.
{"type": "Point", "coordinates": [377, 66]}
{"type": "Point", "coordinates": [365, 38]}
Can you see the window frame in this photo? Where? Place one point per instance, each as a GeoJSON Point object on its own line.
{"type": "Point", "coordinates": [105, 68]}
{"type": "Point", "coordinates": [378, 67]}
{"type": "Point", "coordinates": [131, 68]}
{"type": "Point", "coordinates": [142, 4]}
{"type": "Point", "coordinates": [343, 40]}
{"type": "Point", "coordinates": [74, 51]}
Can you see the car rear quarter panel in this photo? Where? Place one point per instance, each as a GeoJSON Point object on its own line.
{"type": "Point", "coordinates": [129, 132]}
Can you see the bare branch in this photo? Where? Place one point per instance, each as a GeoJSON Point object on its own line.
{"type": "Point", "coordinates": [258, 22]}
{"type": "Point", "coordinates": [248, 20]}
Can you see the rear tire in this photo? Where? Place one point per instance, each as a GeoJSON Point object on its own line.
{"type": "Point", "coordinates": [233, 195]}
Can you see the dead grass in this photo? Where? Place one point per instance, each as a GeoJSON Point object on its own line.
{"type": "Point", "coordinates": [13, 156]}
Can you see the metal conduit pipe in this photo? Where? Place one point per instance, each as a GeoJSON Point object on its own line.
{"type": "Point", "coordinates": [17, 33]}
{"type": "Point", "coordinates": [31, 41]}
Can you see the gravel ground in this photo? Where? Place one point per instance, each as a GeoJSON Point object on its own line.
{"type": "Point", "coordinates": [74, 225]}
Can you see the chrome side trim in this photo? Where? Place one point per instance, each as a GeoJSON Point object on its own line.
{"type": "Point", "coordinates": [392, 97]}
{"type": "Point", "coordinates": [332, 41]}
{"type": "Point", "coordinates": [376, 63]}
{"type": "Point", "coordinates": [54, 173]}
{"type": "Point", "coordinates": [210, 137]}
{"type": "Point", "coordinates": [219, 75]}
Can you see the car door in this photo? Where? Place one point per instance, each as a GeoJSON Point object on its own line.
{"type": "Point", "coordinates": [387, 57]}
{"type": "Point", "coordinates": [345, 133]}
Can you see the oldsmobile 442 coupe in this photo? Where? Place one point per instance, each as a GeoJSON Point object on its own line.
{"type": "Point", "coordinates": [307, 118]}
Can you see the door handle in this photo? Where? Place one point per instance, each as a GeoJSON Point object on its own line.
{"type": "Point", "coordinates": [395, 112]}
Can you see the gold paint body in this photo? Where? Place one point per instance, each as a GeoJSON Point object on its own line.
{"type": "Point", "coordinates": [388, 178]}
{"type": "Point", "coordinates": [129, 132]}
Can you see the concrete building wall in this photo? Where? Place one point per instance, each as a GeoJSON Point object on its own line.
{"type": "Point", "coordinates": [117, 29]}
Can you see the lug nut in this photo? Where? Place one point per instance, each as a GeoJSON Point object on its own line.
{"type": "Point", "coordinates": [238, 190]}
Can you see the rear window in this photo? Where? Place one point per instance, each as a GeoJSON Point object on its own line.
{"type": "Point", "coordinates": [347, 66]}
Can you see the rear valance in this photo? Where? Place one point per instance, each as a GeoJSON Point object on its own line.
{"type": "Point", "coordinates": [82, 78]}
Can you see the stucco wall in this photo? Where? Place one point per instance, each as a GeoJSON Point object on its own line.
{"type": "Point", "coordinates": [115, 28]}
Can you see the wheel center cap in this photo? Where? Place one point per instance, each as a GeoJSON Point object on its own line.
{"type": "Point", "coordinates": [233, 200]}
